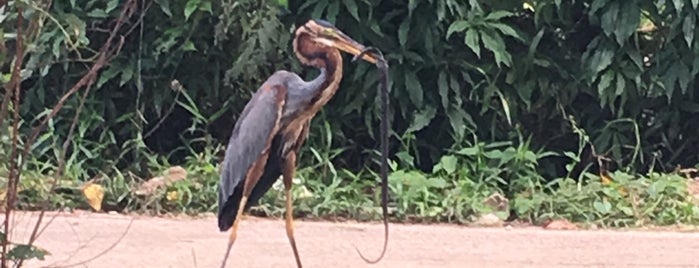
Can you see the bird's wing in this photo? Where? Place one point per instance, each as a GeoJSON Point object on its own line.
{"type": "Point", "coordinates": [251, 137]}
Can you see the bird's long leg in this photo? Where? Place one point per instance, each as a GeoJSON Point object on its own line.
{"type": "Point", "coordinates": [251, 179]}
{"type": "Point", "coordinates": [288, 173]}
{"type": "Point", "coordinates": [234, 229]}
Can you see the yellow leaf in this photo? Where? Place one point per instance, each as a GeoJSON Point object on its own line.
{"type": "Point", "coordinates": [94, 194]}
{"type": "Point", "coordinates": [171, 196]}
{"type": "Point", "coordinates": [606, 180]}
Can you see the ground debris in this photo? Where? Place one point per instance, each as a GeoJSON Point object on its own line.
{"type": "Point", "coordinates": [561, 224]}
{"type": "Point", "coordinates": [173, 174]}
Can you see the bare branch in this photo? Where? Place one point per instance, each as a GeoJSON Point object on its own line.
{"type": "Point", "coordinates": [13, 178]}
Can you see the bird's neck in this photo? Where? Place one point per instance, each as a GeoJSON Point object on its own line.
{"type": "Point", "coordinates": [331, 63]}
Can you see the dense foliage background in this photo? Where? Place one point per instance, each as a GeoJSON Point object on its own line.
{"type": "Point", "coordinates": [521, 98]}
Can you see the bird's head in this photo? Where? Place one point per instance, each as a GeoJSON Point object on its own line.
{"type": "Point", "coordinates": [324, 34]}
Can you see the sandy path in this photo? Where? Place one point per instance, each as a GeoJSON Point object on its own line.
{"type": "Point", "coordinates": [161, 242]}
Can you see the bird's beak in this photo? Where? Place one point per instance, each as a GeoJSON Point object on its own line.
{"type": "Point", "coordinates": [347, 44]}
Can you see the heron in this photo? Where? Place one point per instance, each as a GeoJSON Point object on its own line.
{"type": "Point", "coordinates": [274, 124]}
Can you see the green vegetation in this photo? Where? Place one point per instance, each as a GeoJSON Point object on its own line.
{"type": "Point", "coordinates": [530, 101]}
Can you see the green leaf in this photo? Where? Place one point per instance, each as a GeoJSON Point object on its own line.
{"type": "Point", "coordinates": [603, 207]}
{"type": "Point", "coordinates": [609, 18]}
{"type": "Point", "coordinates": [107, 74]}
{"type": "Point", "coordinates": [283, 3]}
{"type": "Point", "coordinates": [457, 26]}
{"type": "Point", "coordinates": [695, 4]}
{"type": "Point", "coordinates": [414, 88]}
{"type": "Point", "coordinates": [126, 75]}
{"type": "Point", "coordinates": [351, 7]}
{"type": "Point", "coordinates": [26, 252]}
{"type": "Point", "coordinates": [318, 9]}
{"type": "Point", "coordinates": [493, 42]}
{"type": "Point", "coordinates": [683, 76]}
{"type": "Point", "coordinates": [497, 15]}
{"type": "Point", "coordinates": [604, 82]}
{"type": "Point", "coordinates": [111, 5]}
{"type": "Point", "coordinates": [628, 21]}
{"type": "Point", "coordinates": [458, 119]}
{"type": "Point", "coordinates": [448, 163]}
{"type": "Point", "coordinates": [597, 5]}
{"type": "Point", "coordinates": [403, 32]}
{"type": "Point", "coordinates": [601, 59]}
{"type": "Point", "coordinates": [190, 7]}
{"type": "Point", "coordinates": [472, 41]}
{"type": "Point", "coordinates": [620, 84]}
{"type": "Point", "coordinates": [422, 119]}
{"type": "Point", "coordinates": [470, 151]}
{"type": "Point", "coordinates": [412, 4]}
{"type": "Point", "coordinates": [505, 106]}
{"type": "Point", "coordinates": [332, 11]}
{"type": "Point", "coordinates": [443, 89]}
{"type": "Point", "coordinates": [189, 46]}
{"type": "Point", "coordinates": [507, 30]}
{"type": "Point", "coordinates": [679, 6]}
{"type": "Point", "coordinates": [206, 6]}
{"type": "Point", "coordinates": [688, 28]}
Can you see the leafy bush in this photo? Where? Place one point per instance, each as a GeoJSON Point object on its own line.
{"type": "Point", "coordinates": [483, 96]}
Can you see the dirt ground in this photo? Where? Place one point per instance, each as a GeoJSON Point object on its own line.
{"type": "Point", "coordinates": [189, 242]}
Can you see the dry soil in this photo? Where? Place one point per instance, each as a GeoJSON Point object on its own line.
{"type": "Point", "coordinates": [138, 241]}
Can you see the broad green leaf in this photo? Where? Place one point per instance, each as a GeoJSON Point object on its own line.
{"type": "Point", "coordinates": [493, 42]}
{"type": "Point", "coordinates": [283, 3]}
{"type": "Point", "coordinates": [472, 40]}
{"type": "Point", "coordinates": [609, 18]}
{"type": "Point", "coordinates": [98, 13]}
{"type": "Point", "coordinates": [458, 119]}
{"type": "Point", "coordinates": [507, 30]}
{"type": "Point", "coordinates": [604, 82]}
{"type": "Point", "coordinates": [414, 88]}
{"type": "Point", "coordinates": [499, 14]}
{"type": "Point", "coordinates": [695, 4]}
{"type": "Point", "coordinates": [190, 7]}
{"type": "Point", "coordinates": [189, 46]}
{"type": "Point", "coordinates": [422, 119]}
{"type": "Point", "coordinates": [318, 9]}
{"type": "Point", "coordinates": [679, 6]}
{"type": "Point", "coordinates": [688, 28]}
{"type": "Point", "coordinates": [620, 84]}
{"type": "Point", "coordinates": [351, 6]}
{"type": "Point", "coordinates": [457, 26]}
{"type": "Point", "coordinates": [403, 32]}
{"type": "Point", "coordinates": [597, 5]}
{"type": "Point", "coordinates": [206, 6]}
{"type": "Point", "coordinates": [448, 163]}
{"type": "Point", "coordinates": [601, 59]}
{"type": "Point", "coordinates": [628, 21]}
{"type": "Point", "coordinates": [683, 76]}
{"type": "Point", "coordinates": [107, 74]}
{"type": "Point", "coordinates": [441, 10]}
{"type": "Point", "coordinates": [470, 151]}
{"type": "Point", "coordinates": [126, 75]}
{"type": "Point", "coordinates": [111, 5]}
{"type": "Point", "coordinates": [332, 11]}
{"type": "Point", "coordinates": [669, 79]}
{"type": "Point", "coordinates": [603, 207]}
